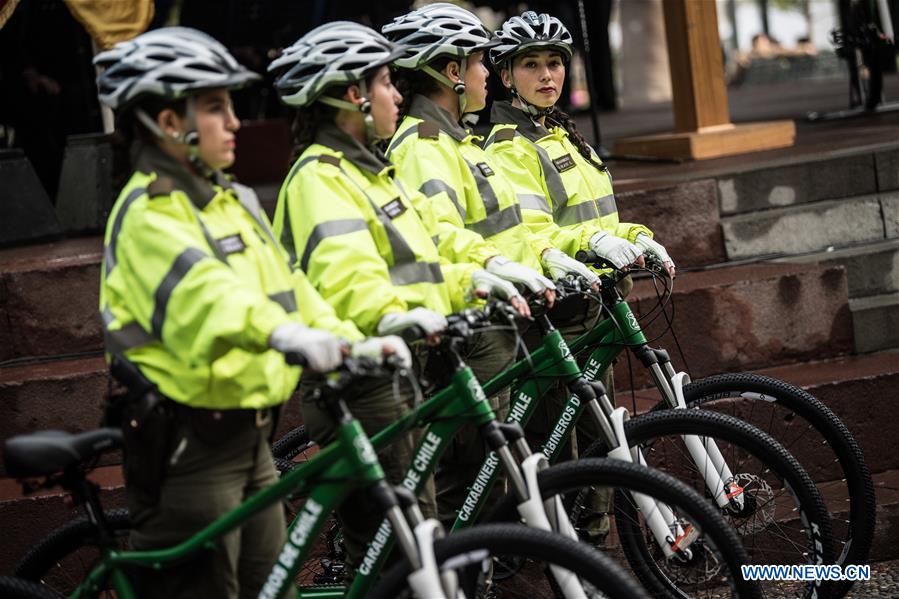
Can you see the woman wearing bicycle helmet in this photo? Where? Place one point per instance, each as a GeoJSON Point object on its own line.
{"type": "Point", "coordinates": [198, 305]}
{"type": "Point", "coordinates": [434, 153]}
{"type": "Point", "coordinates": [564, 189]}
{"type": "Point", "coordinates": [557, 175]}
{"type": "Point", "coordinates": [352, 228]}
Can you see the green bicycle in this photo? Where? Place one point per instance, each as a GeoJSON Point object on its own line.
{"type": "Point", "coordinates": [439, 566]}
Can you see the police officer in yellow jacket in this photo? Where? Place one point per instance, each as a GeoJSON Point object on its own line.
{"type": "Point", "coordinates": [564, 189]}
{"type": "Point", "coordinates": [353, 229]}
{"type": "Point", "coordinates": [435, 154]}
{"type": "Point", "coordinates": [198, 298]}
{"type": "Point", "coordinates": [557, 176]}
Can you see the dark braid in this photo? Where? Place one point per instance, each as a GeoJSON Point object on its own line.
{"type": "Point", "coordinates": [566, 122]}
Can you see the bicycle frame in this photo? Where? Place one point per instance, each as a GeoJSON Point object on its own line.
{"type": "Point", "coordinates": [348, 463]}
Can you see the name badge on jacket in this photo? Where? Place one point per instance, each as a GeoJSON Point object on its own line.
{"type": "Point", "coordinates": [485, 169]}
{"type": "Point", "coordinates": [394, 208]}
{"type": "Point", "coordinates": [564, 163]}
{"type": "Point", "coordinates": [232, 244]}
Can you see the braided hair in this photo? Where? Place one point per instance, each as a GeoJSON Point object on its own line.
{"type": "Point", "coordinates": [565, 121]}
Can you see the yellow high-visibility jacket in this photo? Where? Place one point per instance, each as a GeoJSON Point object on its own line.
{"type": "Point", "coordinates": [465, 193]}
{"type": "Point", "coordinates": [562, 195]}
{"type": "Point", "coordinates": [193, 283]}
{"type": "Point", "coordinates": [354, 231]}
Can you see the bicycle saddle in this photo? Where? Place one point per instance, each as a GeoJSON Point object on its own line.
{"type": "Point", "coordinates": [47, 452]}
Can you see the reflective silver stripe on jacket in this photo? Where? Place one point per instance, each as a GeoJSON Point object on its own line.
{"type": "Point", "coordinates": [327, 229]}
{"type": "Point", "coordinates": [606, 205]}
{"type": "Point", "coordinates": [408, 273]}
{"type": "Point", "coordinates": [533, 201]}
{"type": "Point", "coordinates": [285, 299]}
{"type": "Point", "coordinates": [434, 186]}
{"type": "Point", "coordinates": [109, 255]}
{"type": "Point", "coordinates": [128, 337]}
{"type": "Point", "coordinates": [180, 267]}
{"type": "Point", "coordinates": [497, 222]}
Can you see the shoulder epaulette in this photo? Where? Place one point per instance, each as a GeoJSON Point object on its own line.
{"type": "Point", "coordinates": [329, 159]}
{"type": "Point", "coordinates": [504, 134]}
{"type": "Point", "coordinates": [428, 130]}
{"type": "Point", "coordinates": [160, 186]}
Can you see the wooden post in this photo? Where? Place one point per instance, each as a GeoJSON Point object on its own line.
{"type": "Point", "coordinates": [701, 116]}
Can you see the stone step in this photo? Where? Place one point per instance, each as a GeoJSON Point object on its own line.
{"type": "Point", "coordinates": [746, 317]}
{"type": "Point", "coordinates": [875, 320]}
{"type": "Point", "coordinates": [50, 295]}
{"type": "Point", "coordinates": [855, 173]}
{"type": "Point", "coordinates": [873, 268]}
{"type": "Point", "coordinates": [851, 386]}
{"type": "Point", "coordinates": [69, 395]}
{"type": "Point", "coordinates": [812, 227]}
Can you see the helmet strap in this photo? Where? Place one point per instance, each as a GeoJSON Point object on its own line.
{"type": "Point", "coordinates": [189, 138]}
{"type": "Point", "coordinates": [371, 137]}
{"type": "Point", "coordinates": [534, 111]}
{"type": "Point", "coordinates": [457, 87]}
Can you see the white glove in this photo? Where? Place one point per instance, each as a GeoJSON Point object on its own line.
{"type": "Point", "coordinates": [559, 264]}
{"type": "Point", "coordinates": [429, 322]}
{"type": "Point", "coordinates": [518, 273]}
{"type": "Point", "coordinates": [616, 251]}
{"type": "Point", "coordinates": [491, 284]}
{"type": "Point", "coordinates": [648, 244]}
{"type": "Point", "coordinates": [373, 348]}
{"type": "Point", "coordinates": [323, 350]}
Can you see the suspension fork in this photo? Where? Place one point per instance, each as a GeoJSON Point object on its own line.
{"type": "Point", "coordinates": [719, 479]}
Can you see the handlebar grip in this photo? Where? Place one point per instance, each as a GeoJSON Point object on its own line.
{"type": "Point", "coordinates": [412, 334]}
{"type": "Point", "coordinates": [295, 359]}
{"type": "Point", "coordinates": [587, 256]}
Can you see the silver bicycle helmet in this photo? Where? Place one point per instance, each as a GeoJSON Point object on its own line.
{"type": "Point", "coordinates": [171, 62]}
{"type": "Point", "coordinates": [529, 31]}
{"type": "Point", "coordinates": [435, 31]}
{"type": "Point", "coordinates": [335, 53]}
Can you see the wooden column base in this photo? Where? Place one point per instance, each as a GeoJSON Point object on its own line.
{"type": "Point", "coordinates": [711, 142]}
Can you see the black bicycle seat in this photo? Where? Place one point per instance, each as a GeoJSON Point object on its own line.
{"type": "Point", "coordinates": [48, 452]}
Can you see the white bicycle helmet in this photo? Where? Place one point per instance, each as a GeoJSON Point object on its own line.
{"type": "Point", "coordinates": [335, 53]}
{"type": "Point", "coordinates": [435, 31]}
{"type": "Point", "coordinates": [171, 62]}
{"type": "Point", "coordinates": [530, 31]}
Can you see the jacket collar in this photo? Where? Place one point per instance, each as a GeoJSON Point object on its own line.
{"type": "Point", "coordinates": [503, 113]}
{"type": "Point", "coordinates": [423, 108]}
{"type": "Point", "coordinates": [148, 158]}
{"type": "Point", "coordinates": [333, 137]}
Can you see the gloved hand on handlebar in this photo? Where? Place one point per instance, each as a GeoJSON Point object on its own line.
{"type": "Point", "coordinates": [378, 348]}
{"type": "Point", "coordinates": [618, 252]}
{"type": "Point", "coordinates": [650, 245]}
{"type": "Point", "coordinates": [559, 264]}
{"type": "Point", "coordinates": [518, 273]}
{"type": "Point", "coordinates": [486, 283]}
{"type": "Point", "coordinates": [430, 322]}
{"type": "Point", "coordinates": [322, 350]}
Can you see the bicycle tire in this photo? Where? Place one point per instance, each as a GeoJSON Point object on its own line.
{"type": "Point", "coordinates": [765, 393]}
{"type": "Point", "coordinates": [17, 588]}
{"type": "Point", "coordinates": [470, 547]}
{"type": "Point", "coordinates": [810, 537]}
{"type": "Point", "coordinates": [53, 561]}
{"type": "Point", "coordinates": [292, 443]}
{"type": "Point", "coordinates": [571, 479]}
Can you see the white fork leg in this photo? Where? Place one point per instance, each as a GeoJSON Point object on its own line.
{"type": "Point", "coordinates": [708, 458]}
{"type": "Point", "coordinates": [426, 582]}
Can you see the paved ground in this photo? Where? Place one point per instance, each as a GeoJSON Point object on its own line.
{"type": "Point", "coordinates": [884, 582]}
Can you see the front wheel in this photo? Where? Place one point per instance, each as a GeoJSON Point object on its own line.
{"type": "Point", "coordinates": [17, 588]}
{"type": "Point", "coordinates": [471, 553]}
{"type": "Point", "coordinates": [809, 430]}
{"type": "Point", "coordinates": [771, 501]}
